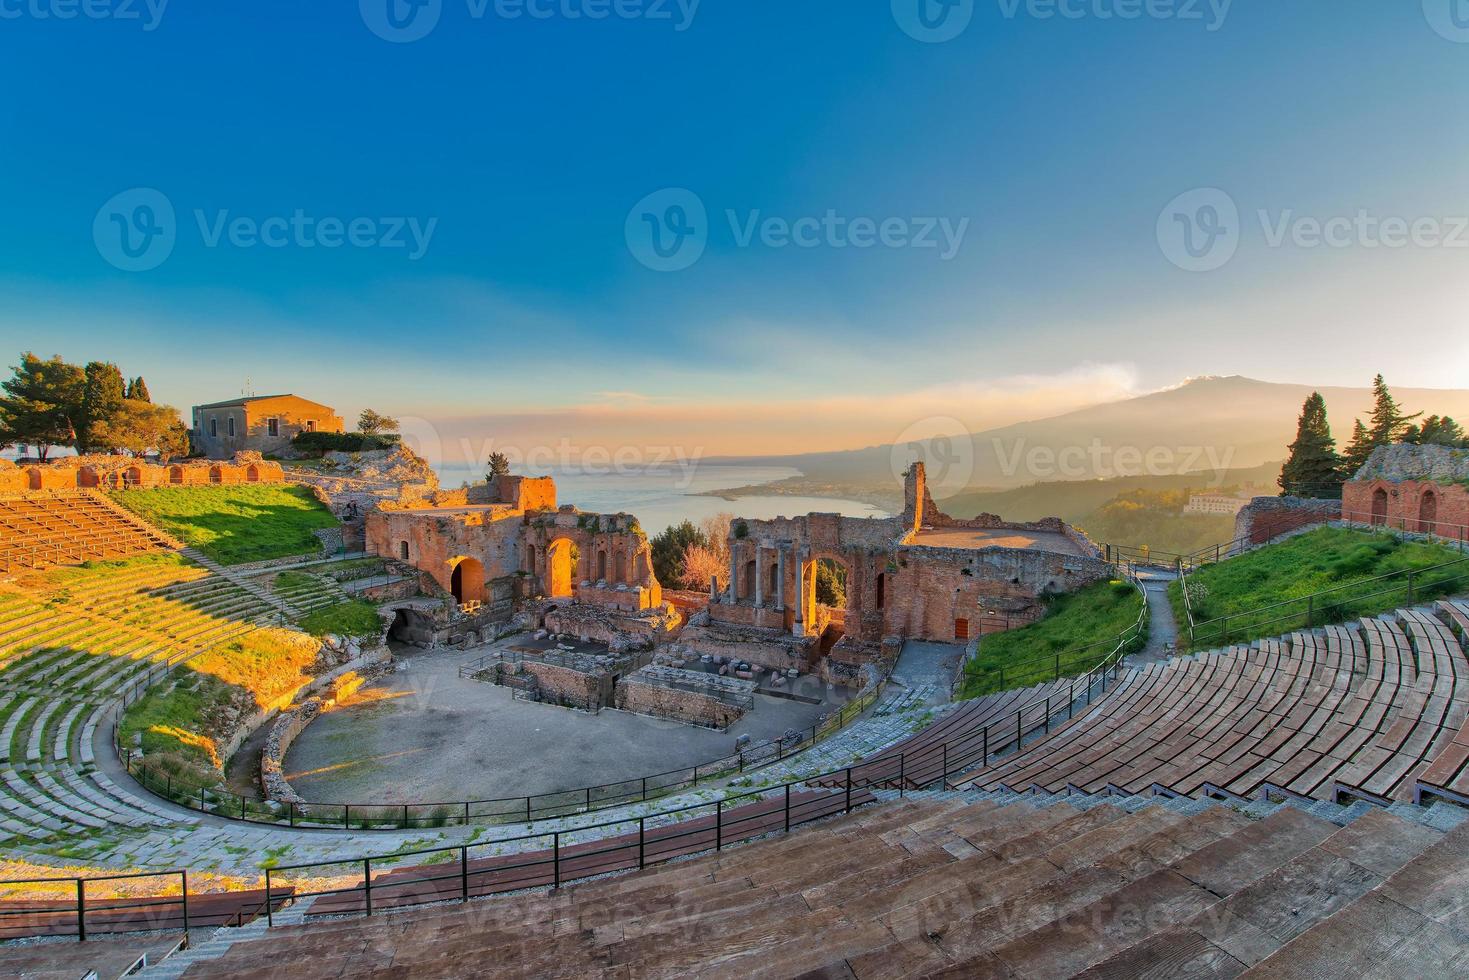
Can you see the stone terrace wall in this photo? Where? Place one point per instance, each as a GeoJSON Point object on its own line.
{"type": "Point", "coordinates": [1268, 517]}
{"type": "Point", "coordinates": [123, 472]}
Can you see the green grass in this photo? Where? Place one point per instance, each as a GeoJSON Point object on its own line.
{"type": "Point", "coordinates": [236, 524]}
{"type": "Point", "coordinates": [354, 618]}
{"type": "Point", "coordinates": [1080, 627]}
{"type": "Point", "coordinates": [1337, 559]}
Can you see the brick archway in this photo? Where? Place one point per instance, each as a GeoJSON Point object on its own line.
{"type": "Point", "coordinates": [559, 568]}
{"type": "Point", "coordinates": [1428, 512]}
{"type": "Point", "coordinates": [1379, 506]}
{"type": "Point", "coordinates": [467, 580]}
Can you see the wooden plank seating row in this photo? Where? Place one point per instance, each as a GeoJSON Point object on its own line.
{"type": "Point", "coordinates": [940, 888]}
{"type": "Point", "coordinates": [21, 918]}
{"type": "Point", "coordinates": [43, 531]}
{"type": "Point", "coordinates": [958, 739]}
{"type": "Point", "coordinates": [424, 883]}
{"type": "Point", "coordinates": [1342, 712]}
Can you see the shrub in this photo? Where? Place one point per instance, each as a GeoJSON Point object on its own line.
{"type": "Point", "coordinates": [342, 442]}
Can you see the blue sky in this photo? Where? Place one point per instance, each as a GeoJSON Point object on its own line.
{"type": "Point", "coordinates": [523, 144]}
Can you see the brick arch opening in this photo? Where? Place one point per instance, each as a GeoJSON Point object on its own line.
{"type": "Point", "coordinates": [176, 475]}
{"type": "Point", "coordinates": [252, 473]}
{"type": "Point", "coordinates": [467, 579]}
{"type": "Point", "coordinates": [1428, 512]}
{"type": "Point", "coordinates": [1379, 506]}
{"type": "Point", "coordinates": [560, 562]}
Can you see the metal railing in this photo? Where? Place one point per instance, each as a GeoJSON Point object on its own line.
{"type": "Point", "coordinates": [80, 914]}
{"type": "Point", "coordinates": [449, 874]}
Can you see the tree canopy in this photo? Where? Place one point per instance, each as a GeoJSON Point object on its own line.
{"type": "Point", "coordinates": [1313, 468]}
{"type": "Point", "coordinates": [371, 423]}
{"type": "Point", "coordinates": [52, 403]}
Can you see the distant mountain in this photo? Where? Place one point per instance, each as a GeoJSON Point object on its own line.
{"type": "Point", "coordinates": [1203, 426]}
{"type": "Point", "coordinates": [1074, 500]}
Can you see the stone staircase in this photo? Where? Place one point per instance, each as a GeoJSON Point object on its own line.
{"type": "Point", "coordinates": [245, 582]}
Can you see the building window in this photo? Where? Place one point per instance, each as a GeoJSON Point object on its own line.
{"type": "Point", "coordinates": [311, 425]}
{"type": "Point", "coordinates": [229, 426]}
{"type": "Point", "coordinates": [273, 428]}
{"type": "Point", "coordinates": [403, 550]}
{"type": "Point", "coordinates": [213, 427]}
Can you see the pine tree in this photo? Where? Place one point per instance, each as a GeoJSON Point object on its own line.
{"type": "Point", "coordinates": [102, 398]}
{"type": "Point", "coordinates": [1389, 424]}
{"type": "Point", "coordinates": [138, 391]}
{"type": "Point", "coordinates": [1436, 430]}
{"type": "Point", "coordinates": [41, 404]}
{"type": "Point", "coordinates": [1358, 451]}
{"type": "Point", "coordinates": [1313, 469]}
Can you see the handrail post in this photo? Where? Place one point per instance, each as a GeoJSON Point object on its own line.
{"type": "Point", "coordinates": [464, 872]}
{"type": "Point", "coordinates": [849, 789]}
{"type": "Point", "coordinates": [81, 910]}
{"type": "Point", "coordinates": [642, 844]}
{"type": "Point", "coordinates": [788, 808]}
{"type": "Point", "coordinates": [718, 824]}
{"type": "Point", "coordinates": [556, 859]}
{"type": "Point", "coordinates": [367, 883]}
{"type": "Point", "coordinates": [269, 913]}
{"type": "Point", "coordinates": [184, 877]}
{"type": "Point", "coordinates": [985, 761]}
{"type": "Point", "coordinates": [944, 778]}
{"type": "Point", "coordinates": [902, 772]}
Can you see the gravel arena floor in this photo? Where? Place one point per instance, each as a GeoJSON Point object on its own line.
{"type": "Point", "coordinates": [424, 734]}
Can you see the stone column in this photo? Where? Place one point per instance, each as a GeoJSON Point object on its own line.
{"type": "Point", "coordinates": [800, 626]}
{"type": "Point", "coordinates": [780, 578]}
{"type": "Point", "coordinates": [713, 589]}
{"type": "Point", "coordinates": [734, 571]}
{"type": "Point", "coordinates": [759, 576]}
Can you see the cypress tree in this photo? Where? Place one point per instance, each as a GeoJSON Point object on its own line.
{"type": "Point", "coordinates": [1388, 421]}
{"type": "Point", "coordinates": [1357, 451]}
{"type": "Point", "coordinates": [1313, 469]}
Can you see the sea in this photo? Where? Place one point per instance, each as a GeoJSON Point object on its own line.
{"type": "Point", "coordinates": [662, 496]}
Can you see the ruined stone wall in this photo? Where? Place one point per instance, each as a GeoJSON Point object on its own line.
{"type": "Point", "coordinates": [1421, 506]}
{"type": "Point", "coordinates": [122, 472]}
{"type": "Point", "coordinates": [689, 707]}
{"type": "Point", "coordinates": [563, 685]}
{"type": "Point", "coordinates": [436, 540]}
{"type": "Point", "coordinates": [1264, 518]}
{"type": "Point", "coordinates": [948, 594]}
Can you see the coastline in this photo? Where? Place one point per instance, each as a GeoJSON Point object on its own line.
{"type": "Point", "coordinates": [800, 486]}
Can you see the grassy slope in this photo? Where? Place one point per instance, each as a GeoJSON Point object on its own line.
{"type": "Point", "coordinates": [355, 618]}
{"type": "Point", "coordinates": [1080, 626]}
{"type": "Point", "coordinates": [236, 524]}
{"type": "Point", "coordinates": [1327, 558]}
